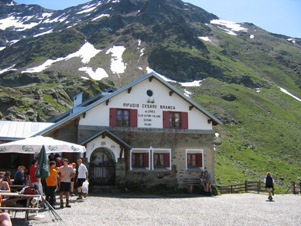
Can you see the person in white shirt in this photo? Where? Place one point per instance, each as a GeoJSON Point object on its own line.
{"type": "Point", "coordinates": [82, 176]}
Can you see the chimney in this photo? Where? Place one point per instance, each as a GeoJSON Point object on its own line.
{"type": "Point", "coordinates": [78, 99]}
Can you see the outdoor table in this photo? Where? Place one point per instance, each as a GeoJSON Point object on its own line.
{"type": "Point", "coordinates": [15, 188]}
{"type": "Point", "coordinates": [9, 202]}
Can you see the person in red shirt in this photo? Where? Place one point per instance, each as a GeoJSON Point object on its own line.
{"type": "Point", "coordinates": [34, 181]}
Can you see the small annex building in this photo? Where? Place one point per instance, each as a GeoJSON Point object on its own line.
{"type": "Point", "coordinates": [146, 133]}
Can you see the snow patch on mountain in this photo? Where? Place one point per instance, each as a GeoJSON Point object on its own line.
{"type": "Point", "coordinates": [100, 16]}
{"type": "Point", "coordinates": [195, 83]}
{"type": "Point", "coordinates": [206, 39]}
{"type": "Point", "coordinates": [18, 23]}
{"type": "Point", "coordinates": [288, 93]}
{"type": "Point", "coordinates": [86, 52]}
{"type": "Point", "coordinates": [98, 74]}
{"type": "Point", "coordinates": [231, 27]}
{"type": "Point", "coordinates": [8, 69]}
{"type": "Point", "coordinates": [117, 65]}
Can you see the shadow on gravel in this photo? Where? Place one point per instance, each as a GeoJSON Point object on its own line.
{"type": "Point", "coordinates": [150, 196]}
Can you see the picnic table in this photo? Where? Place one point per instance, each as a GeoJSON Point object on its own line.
{"type": "Point", "coordinates": [10, 202]}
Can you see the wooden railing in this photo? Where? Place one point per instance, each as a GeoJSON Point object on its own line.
{"type": "Point", "coordinates": [296, 187]}
{"type": "Point", "coordinates": [248, 186]}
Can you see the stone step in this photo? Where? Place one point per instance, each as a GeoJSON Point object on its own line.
{"type": "Point", "coordinates": [104, 189]}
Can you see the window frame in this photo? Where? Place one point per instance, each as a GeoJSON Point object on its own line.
{"type": "Point", "coordinates": [183, 120]}
{"type": "Point", "coordinates": [132, 121]}
{"type": "Point", "coordinates": [125, 117]}
{"type": "Point", "coordinates": [200, 153]}
{"type": "Point", "coordinates": [166, 153]}
{"type": "Point", "coordinates": [140, 151]}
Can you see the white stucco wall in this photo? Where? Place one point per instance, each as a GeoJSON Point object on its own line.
{"type": "Point", "coordinates": [150, 109]}
{"type": "Point", "coordinates": [100, 142]}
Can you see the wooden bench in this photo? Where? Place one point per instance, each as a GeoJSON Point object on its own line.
{"type": "Point", "coordinates": [191, 183]}
{"type": "Point", "coordinates": [16, 188]}
{"type": "Point", "coordinates": [10, 203]}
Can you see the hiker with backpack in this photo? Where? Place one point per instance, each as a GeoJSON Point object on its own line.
{"type": "Point", "coordinates": [269, 185]}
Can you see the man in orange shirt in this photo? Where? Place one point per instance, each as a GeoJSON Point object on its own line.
{"type": "Point", "coordinates": [51, 183]}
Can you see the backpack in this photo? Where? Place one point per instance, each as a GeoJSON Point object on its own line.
{"type": "Point", "coordinates": [268, 182]}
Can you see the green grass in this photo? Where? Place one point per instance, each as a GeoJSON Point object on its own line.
{"type": "Point", "coordinates": [260, 133]}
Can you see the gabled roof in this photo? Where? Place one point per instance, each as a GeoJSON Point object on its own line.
{"type": "Point", "coordinates": [149, 76]}
{"type": "Point", "coordinates": [109, 134]}
{"type": "Point", "coordinates": [15, 130]}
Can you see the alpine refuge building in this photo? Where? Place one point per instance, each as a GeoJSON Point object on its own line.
{"type": "Point", "coordinates": [146, 133]}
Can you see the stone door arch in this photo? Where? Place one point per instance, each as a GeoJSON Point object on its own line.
{"type": "Point", "coordinates": [102, 167]}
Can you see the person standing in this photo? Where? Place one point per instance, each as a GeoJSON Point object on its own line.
{"type": "Point", "coordinates": [269, 185]}
{"type": "Point", "coordinates": [207, 182]}
{"type": "Point", "coordinates": [34, 181]}
{"type": "Point", "coordinates": [73, 165]}
{"type": "Point", "coordinates": [82, 176]}
{"type": "Point", "coordinates": [66, 173]}
{"type": "Point", "coordinates": [51, 183]}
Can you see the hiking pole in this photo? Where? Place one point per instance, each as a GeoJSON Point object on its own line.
{"type": "Point", "coordinates": [50, 207]}
{"type": "Point", "coordinates": [52, 210]}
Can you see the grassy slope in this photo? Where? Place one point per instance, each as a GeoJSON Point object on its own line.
{"type": "Point", "coordinates": [260, 134]}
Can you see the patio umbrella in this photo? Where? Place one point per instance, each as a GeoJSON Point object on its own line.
{"type": "Point", "coordinates": [33, 145]}
{"type": "Point", "coordinates": [42, 169]}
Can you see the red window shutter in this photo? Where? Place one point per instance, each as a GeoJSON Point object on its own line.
{"type": "Point", "coordinates": [199, 159]}
{"type": "Point", "coordinates": [145, 160]}
{"type": "Point", "coordinates": [166, 120]}
{"type": "Point", "coordinates": [113, 117]}
{"type": "Point", "coordinates": [133, 118]}
{"type": "Point", "coordinates": [166, 160]}
{"type": "Point", "coordinates": [184, 120]}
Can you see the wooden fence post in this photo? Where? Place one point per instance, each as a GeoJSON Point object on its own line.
{"type": "Point", "coordinates": [258, 186]}
{"type": "Point", "coordinates": [246, 186]}
{"type": "Point", "coordinates": [293, 187]}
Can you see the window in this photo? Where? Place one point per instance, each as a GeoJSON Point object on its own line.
{"type": "Point", "coordinates": [123, 117]}
{"type": "Point", "coordinates": [161, 160]}
{"type": "Point", "coordinates": [175, 120]}
{"type": "Point", "coordinates": [194, 159]}
{"type": "Point", "coordinates": [140, 160]}
{"type": "Point", "coordinates": [150, 159]}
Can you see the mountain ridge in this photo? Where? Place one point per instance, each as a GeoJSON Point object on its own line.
{"type": "Point", "coordinates": [239, 71]}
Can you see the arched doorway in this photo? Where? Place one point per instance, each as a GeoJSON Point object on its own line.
{"type": "Point", "coordinates": [102, 167]}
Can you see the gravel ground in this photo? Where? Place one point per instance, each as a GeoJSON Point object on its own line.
{"type": "Point", "coordinates": [230, 209]}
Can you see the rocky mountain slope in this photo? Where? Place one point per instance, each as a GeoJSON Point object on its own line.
{"type": "Point", "coordinates": [239, 70]}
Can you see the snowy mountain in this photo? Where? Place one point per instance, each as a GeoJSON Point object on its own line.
{"type": "Point", "coordinates": [247, 77]}
{"type": "Point", "coordinates": [116, 41]}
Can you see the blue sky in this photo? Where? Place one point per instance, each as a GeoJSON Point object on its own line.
{"type": "Point", "coordinates": [277, 16]}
